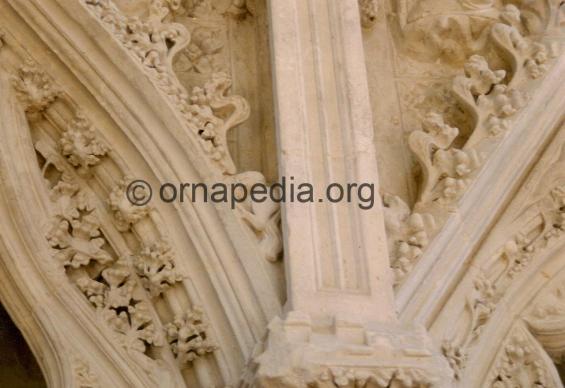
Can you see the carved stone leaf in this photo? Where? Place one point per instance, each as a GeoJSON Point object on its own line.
{"type": "Point", "coordinates": [155, 265]}
{"type": "Point", "coordinates": [68, 200]}
{"type": "Point", "coordinates": [134, 326]}
{"type": "Point", "coordinates": [126, 214]}
{"type": "Point", "coordinates": [187, 336]}
{"type": "Point", "coordinates": [35, 88]}
{"type": "Point", "coordinates": [80, 145]}
{"type": "Point", "coordinates": [78, 242]}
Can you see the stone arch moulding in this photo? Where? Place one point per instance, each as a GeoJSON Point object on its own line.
{"type": "Point", "coordinates": [87, 276]}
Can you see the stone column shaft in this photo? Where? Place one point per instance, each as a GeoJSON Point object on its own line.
{"type": "Point", "coordinates": [336, 254]}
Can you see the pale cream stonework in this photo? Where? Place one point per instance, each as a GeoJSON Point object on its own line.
{"type": "Point", "coordinates": [453, 108]}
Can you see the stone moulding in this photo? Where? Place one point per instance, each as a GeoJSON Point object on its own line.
{"type": "Point", "coordinates": [208, 112]}
{"type": "Point", "coordinates": [113, 295]}
{"type": "Point", "coordinates": [515, 272]}
{"type": "Point", "coordinates": [220, 277]}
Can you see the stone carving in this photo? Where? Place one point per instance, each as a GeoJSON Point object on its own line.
{"type": "Point", "coordinates": [110, 284]}
{"type": "Point", "coordinates": [187, 336]}
{"type": "Point", "coordinates": [208, 111]}
{"type": "Point", "coordinates": [204, 53]}
{"type": "Point", "coordinates": [448, 158]}
{"type": "Point", "coordinates": [153, 42]}
{"type": "Point", "coordinates": [126, 214]}
{"type": "Point", "coordinates": [35, 89]}
{"type": "Point", "coordinates": [84, 377]}
{"type": "Point", "coordinates": [118, 301]}
{"type": "Point", "coordinates": [369, 10]}
{"type": "Point", "coordinates": [482, 303]}
{"type": "Point", "coordinates": [455, 357]}
{"type": "Point", "coordinates": [80, 144]}
{"type": "Point", "coordinates": [241, 8]}
{"type": "Point", "coordinates": [69, 201]}
{"type": "Point", "coordinates": [78, 242]}
{"type": "Point", "coordinates": [262, 217]}
{"type": "Point", "coordinates": [454, 30]}
{"type": "Point", "coordinates": [520, 364]}
{"type": "Point", "coordinates": [407, 234]}
{"type": "Point", "coordinates": [481, 92]}
{"type": "Point", "coordinates": [382, 378]}
{"type": "Point", "coordinates": [208, 104]}
{"type": "Point", "coordinates": [525, 57]}
{"type": "Point", "coordinates": [443, 167]}
{"type": "Point", "coordinates": [546, 320]}
{"type": "Point", "coordinates": [134, 326]}
{"type": "Point", "coordinates": [156, 267]}
{"type": "Point", "coordinates": [552, 305]}
{"type": "Point", "coordinates": [494, 278]}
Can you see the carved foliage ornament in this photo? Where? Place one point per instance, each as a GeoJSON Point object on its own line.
{"type": "Point", "coordinates": [450, 31]}
{"type": "Point", "coordinates": [494, 278]}
{"type": "Point", "coordinates": [490, 98]}
{"type": "Point", "coordinates": [119, 287]}
{"type": "Point", "coordinates": [522, 362]}
{"type": "Point", "coordinates": [34, 88]}
{"type": "Point", "coordinates": [208, 112]}
{"type": "Point", "coordinates": [187, 336]}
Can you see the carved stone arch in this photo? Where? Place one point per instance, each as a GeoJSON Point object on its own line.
{"type": "Point", "coordinates": [518, 260]}
{"type": "Point", "coordinates": [36, 301]}
{"type": "Point", "coordinates": [512, 315]}
{"type": "Point", "coordinates": [231, 282]}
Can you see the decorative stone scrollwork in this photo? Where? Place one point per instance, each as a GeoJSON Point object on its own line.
{"type": "Point", "coordinates": [118, 284]}
{"type": "Point", "coordinates": [153, 42]}
{"type": "Point", "coordinates": [213, 112]}
{"type": "Point", "coordinates": [113, 293]}
{"type": "Point", "coordinates": [443, 167]}
{"type": "Point", "coordinates": [524, 56]}
{"type": "Point", "coordinates": [449, 159]}
{"type": "Point", "coordinates": [519, 368]}
{"type": "Point", "coordinates": [208, 111]}
{"type": "Point", "coordinates": [69, 201]}
{"type": "Point", "coordinates": [546, 320]}
{"type": "Point", "coordinates": [481, 92]}
{"type": "Point", "coordinates": [187, 336]}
